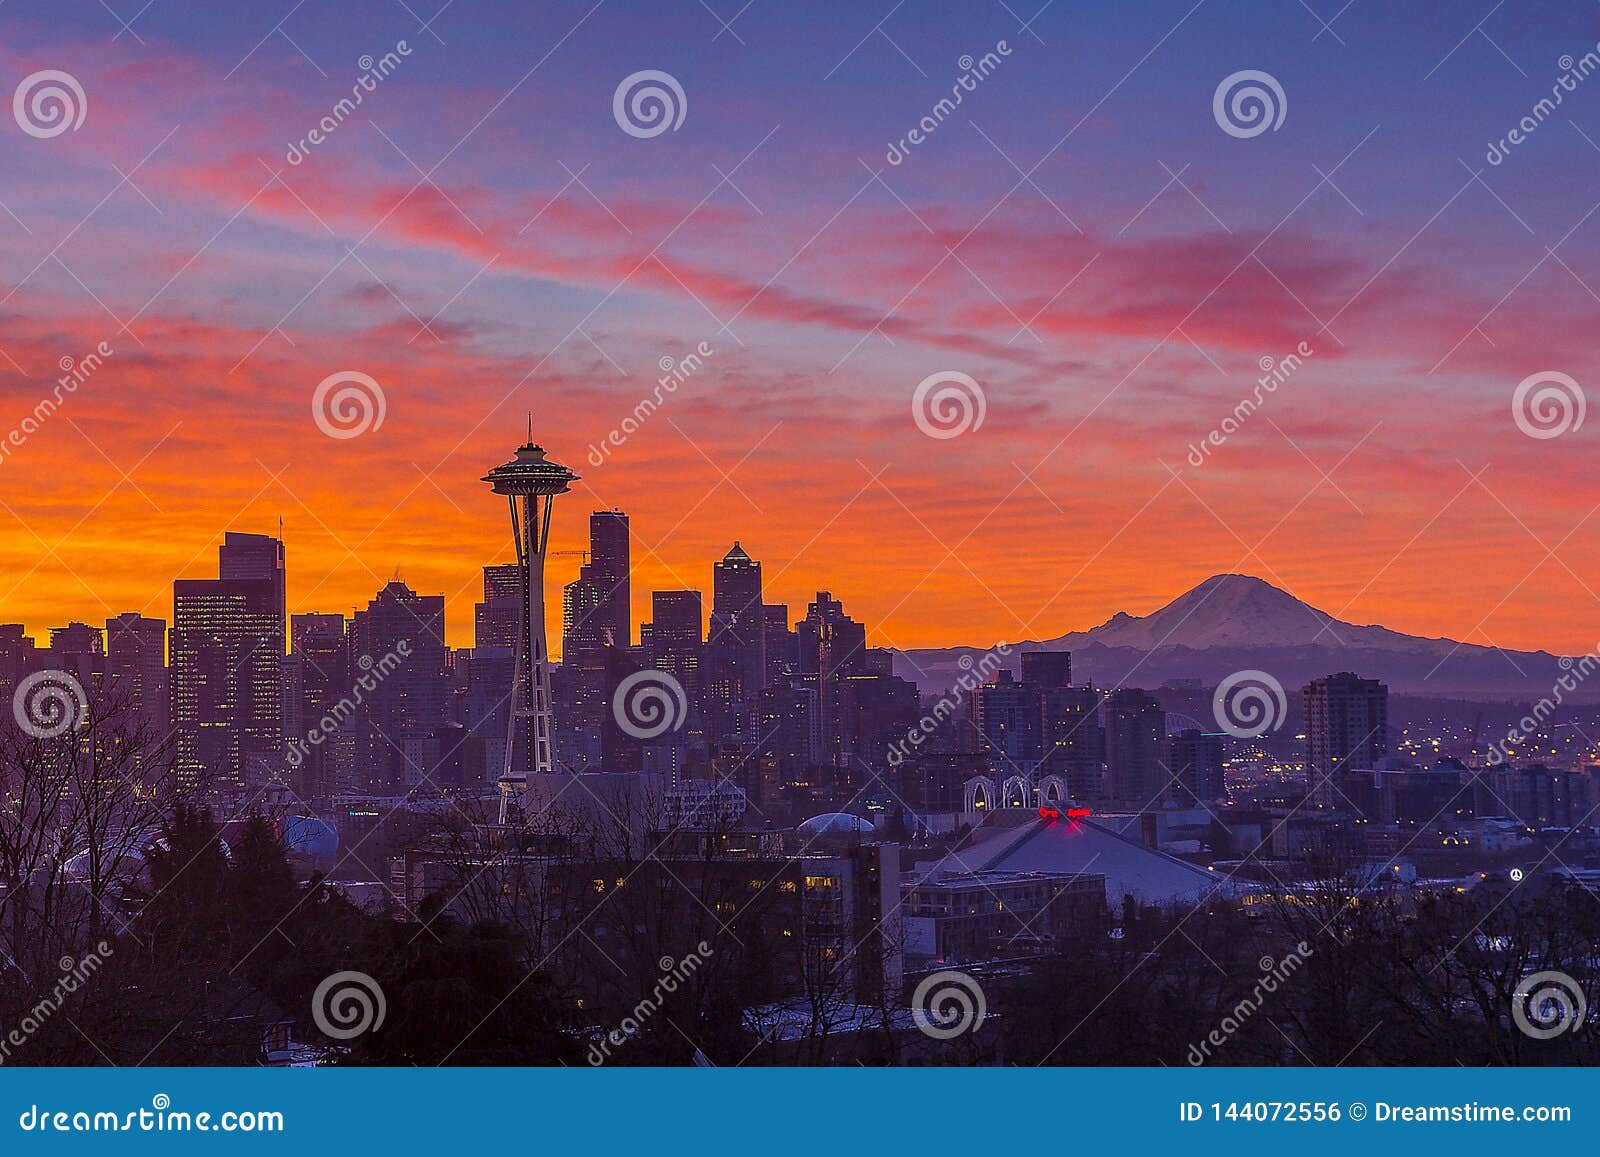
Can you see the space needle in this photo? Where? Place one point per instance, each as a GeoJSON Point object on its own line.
{"type": "Point", "coordinates": [530, 482]}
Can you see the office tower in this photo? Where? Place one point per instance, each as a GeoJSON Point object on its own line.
{"type": "Point", "coordinates": [483, 708]}
{"type": "Point", "coordinates": [1136, 732]}
{"type": "Point", "coordinates": [226, 676]}
{"type": "Point", "coordinates": [18, 658]}
{"type": "Point", "coordinates": [875, 710]}
{"type": "Point", "coordinates": [580, 689]}
{"type": "Point", "coordinates": [827, 637]}
{"type": "Point", "coordinates": [530, 483]}
{"type": "Point", "coordinates": [677, 628]}
{"type": "Point", "coordinates": [1073, 739]}
{"type": "Point", "coordinates": [830, 645]}
{"type": "Point", "coordinates": [136, 671]}
{"type": "Point", "coordinates": [495, 620]}
{"type": "Point", "coordinates": [1047, 668]}
{"type": "Point", "coordinates": [79, 650]}
{"type": "Point", "coordinates": [736, 647]}
{"type": "Point", "coordinates": [778, 644]}
{"type": "Point", "coordinates": [788, 742]}
{"type": "Point", "coordinates": [320, 687]}
{"type": "Point", "coordinates": [1008, 718]}
{"type": "Point", "coordinates": [257, 556]}
{"type": "Point", "coordinates": [1347, 727]}
{"type": "Point", "coordinates": [1194, 768]}
{"type": "Point", "coordinates": [608, 569]}
{"type": "Point", "coordinates": [407, 700]}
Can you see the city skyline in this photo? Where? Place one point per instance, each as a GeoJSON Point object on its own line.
{"type": "Point", "coordinates": [1113, 312]}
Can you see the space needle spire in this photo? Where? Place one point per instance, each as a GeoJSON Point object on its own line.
{"type": "Point", "coordinates": [530, 482]}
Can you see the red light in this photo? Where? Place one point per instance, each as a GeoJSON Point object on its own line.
{"type": "Point", "coordinates": [1078, 813]}
{"type": "Point", "coordinates": [1049, 813]}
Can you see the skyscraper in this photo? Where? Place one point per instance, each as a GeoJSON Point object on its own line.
{"type": "Point", "coordinates": [1136, 733]}
{"type": "Point", "coordinates": [494, 621]}
{"type": "Point", "coordinates": [257, 556]}
{"type": "Point", "coordinates": [830, 645]}
{"type": "Point", "coordinates": [136, 670]}
{"type": "Point", "coordinates": [317, 677]}
{"type": "Point", "coordinates": [1007, 714]}
{"type": "Point", "coordinates": [1194, 767]}
{"type": "Point", "coordinates": [408, 703]}
{"type": "Point", "coordinates": [79, 650]}
{"type": "Point", "coordinates": [779, 643]}
{"type": "Point", "coordinates": [1047, 668]}
{"type": "Point", "coordinates": [226, 676]}
{"type": "Point", "coordinates": [677, 633]}
{"type": "Point", "coordinates": [1073, 739]}
{"type": "Point", "coordinates": [1347, 727]}
{"type": "Point", "coordinates": [530, 482]}
{"type": "Point", "coordinates": [608, 569]}
{"type": "Point", "coordinates": [737, 643]}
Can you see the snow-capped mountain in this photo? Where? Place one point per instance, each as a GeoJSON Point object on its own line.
{"type": "Point", "coordinates": [1233, 622]}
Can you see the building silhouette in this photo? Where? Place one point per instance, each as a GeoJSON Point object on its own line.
{"type": "Point", "coordinates": [1347, 727]}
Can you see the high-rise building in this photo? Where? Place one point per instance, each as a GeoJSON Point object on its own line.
{"type": "Point", "coordinates": [1136, 732]}
{"type": "Point", "coordinates": [608, 569]}
{"type": "Point", "coordinates": [319, 685]}
{"type": "Point", "coordinates": [677, 633]}
{"type": "Point", "coordinates": [79, 650]}
{"type": "Point", "coordinates": [1347, 727]}
{"type": "Point", "coordinates": [226, 676]}
{"type": "Point", "coordinates": [257, 556]}
{"type": "Point", "coordinates": [495, 620]}
{"type": "Point", "coordinates": [736, 648]}
{"type": "Point", "coordinates": [581, 692]}
{"type": "Point", "coordinates": [778, 644]}
{"type": "Point", "coordinates": [1007, 714]}
{"type": "Point", "coordinates": [1074, 740]}
{"type": "Point", "coordinates": [408, 702]}
{"type": "Point", "coordinates": [19, 656]}
{"type": "Point", "coordinates": [136, 671]}
{"type": "Point", "coordinates": [1194, 768]}
{"type": "Point", "coordinates": [1047, 668]}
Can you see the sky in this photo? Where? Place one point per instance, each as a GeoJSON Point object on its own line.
{"type": "Point", "coordinates": [1086, 244]}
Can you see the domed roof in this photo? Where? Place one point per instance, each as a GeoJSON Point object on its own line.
{"type": "Point", "coordinates": [836, 823]}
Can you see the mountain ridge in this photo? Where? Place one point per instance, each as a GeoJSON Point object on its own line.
{"type": "Point", "coordinates": [1232, 622]}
